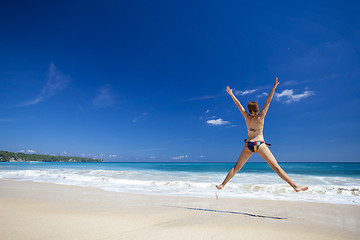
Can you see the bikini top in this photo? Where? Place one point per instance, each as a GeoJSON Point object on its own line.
{"type": "Point", "coordinates": [254, 130]}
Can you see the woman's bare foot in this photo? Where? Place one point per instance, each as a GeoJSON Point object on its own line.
{"type": "Point", "coordinates": [298, 189]}
{"type": "Point", "coordinates": [219, 187]}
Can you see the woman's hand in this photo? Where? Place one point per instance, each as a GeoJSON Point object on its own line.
{"type": "Point", "coordinates": [276, 83]}
{"type": "Point", "coordinates": [229, 90]}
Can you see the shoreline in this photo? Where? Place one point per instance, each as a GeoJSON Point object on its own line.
{"type": "Point", "coordinates": [51, 211]}
{"type": "Point", "coordinates": [334, 184]}
{"type": "Point", "coordinates": [217, 194]}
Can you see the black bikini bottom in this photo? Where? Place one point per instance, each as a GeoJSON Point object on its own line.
{"type": "Point", "coordinates": [254, 145]}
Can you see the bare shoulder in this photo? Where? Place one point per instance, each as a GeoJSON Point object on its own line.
{"type": "Point", "coordinates": [262, 114]}
{"type": "Point", "coordinates": [247, 116]}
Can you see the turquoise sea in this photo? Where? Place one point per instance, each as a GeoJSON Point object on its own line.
{"type": "Point", "coordinates": [327, 182]}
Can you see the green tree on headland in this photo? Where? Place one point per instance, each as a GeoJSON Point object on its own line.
{"type": "Point", "coordinates": [6, 156]}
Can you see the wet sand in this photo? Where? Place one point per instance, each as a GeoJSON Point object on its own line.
{"type": "Point", "coordinates": [49, 211]}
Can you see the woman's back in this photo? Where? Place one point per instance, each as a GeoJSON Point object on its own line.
{"type": "Point", "coordinates": [255, 125]}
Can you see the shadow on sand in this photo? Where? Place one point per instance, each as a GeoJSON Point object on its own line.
{"type": "Point", "coordinates": [231, 212]}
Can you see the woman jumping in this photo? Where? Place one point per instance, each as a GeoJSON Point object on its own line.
{"type": "Point", "coordinates": [255, 140]}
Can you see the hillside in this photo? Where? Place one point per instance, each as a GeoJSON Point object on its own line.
{"type": "Point", "coordinates": [6, 156]}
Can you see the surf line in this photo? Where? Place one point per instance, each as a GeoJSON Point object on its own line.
{"type": "Point", "coordinates": [231, 212]}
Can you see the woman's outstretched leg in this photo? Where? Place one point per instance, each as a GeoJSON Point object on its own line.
{"type": "Point", "coordinates": [265, 153]}
{"type": "Point", "coordinates": [244, 156]}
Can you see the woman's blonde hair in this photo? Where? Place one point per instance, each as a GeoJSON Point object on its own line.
{"type": "Point", "coordinates": [253, 108]}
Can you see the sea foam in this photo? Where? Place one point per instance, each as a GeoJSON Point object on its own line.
{"type": "Point", "coordinates": [340, 190]}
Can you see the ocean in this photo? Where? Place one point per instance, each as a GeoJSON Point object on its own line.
{"type": "Point", "coordinates": [337, 183]}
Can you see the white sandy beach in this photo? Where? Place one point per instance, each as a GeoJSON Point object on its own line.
{"type": "Point", "coordinates": [49, 211]}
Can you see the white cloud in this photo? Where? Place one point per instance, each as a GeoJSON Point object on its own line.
{"type": "Point", "coordinates": [264, 94]}
{"type": "Point", "coordinates": [104, 97]}
{"type": "Point", "coordinates": [112, 155]}
{"type": "Point", "coordinates": [217, 122]}
{"type": "Point", "coordinates": [150, 149]}
{"type": "Point", "coordinates": [5, 120]}
{"type": "Point", "coordinates": [246, 92]}
{"type": "Point", "coordinates": [55, 82]}
{"type": "Point", "coordinates": [288, 95]}
{"type": "Point", "coordinates": [208, 110]}
{"type": "Point", "coordinates": [136, 119]}
{"type": "Point", "coordinates": [289, 83]}
{"type": "Point", "coordinates": [202, 156]}
{"type": "Point", "coordinates": [203, 97]}
{"type": "Point", "coordinates": [30, 151]}
{"type": "Point", "coordinates": [179, 157]}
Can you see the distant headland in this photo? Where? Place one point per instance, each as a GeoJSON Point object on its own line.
{"type": "Point", "coordinates": [6, 156]}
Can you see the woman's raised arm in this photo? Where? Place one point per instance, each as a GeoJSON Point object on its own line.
{"type": "Point", "coordinates": [268, 100]}
{"type": "Point", "coordinates": [237, 102]}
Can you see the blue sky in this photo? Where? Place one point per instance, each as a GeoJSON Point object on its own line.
{"type": "Point", "coordinates": [145, 80]}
